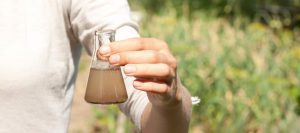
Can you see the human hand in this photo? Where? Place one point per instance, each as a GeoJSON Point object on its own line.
{"type": "Point", "coordinates": [151, 62]}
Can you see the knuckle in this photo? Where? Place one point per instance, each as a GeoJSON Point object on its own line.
{"type": "Point", "coordinates": [114, 47]}
{"type": "Point", "coordinates": [136, 40]}
{"type": "Point", "coordinates": [165, 70]}
{"type": "Point", "coordinates": [154, 56]}
{"type": "Point", "coordinates": [153, 40]}
{"type": "Point", "coordinates": [173, 62]}
{"type": "Point", "coordinates": [150, 87]}
{"type": "Point", "coordinates": [164, 88]}
{"type": "Point", "coordinates": [164, 44]}
{"type": "Point", "coordinates": [140, 43]}
{"type": "Point", "coordinates": [125, 57]}
{"type": "Point", "coordinates": [146, 70]}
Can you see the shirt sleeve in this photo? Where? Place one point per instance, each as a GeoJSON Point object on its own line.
{"type": "Point", "coordinates": [87, 16]}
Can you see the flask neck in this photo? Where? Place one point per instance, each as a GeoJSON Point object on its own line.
{"type": "Point", "coordinates": [102, 38]}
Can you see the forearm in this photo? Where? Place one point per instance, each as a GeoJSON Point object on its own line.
{"type": "Point", "coordinates": [168, 119]}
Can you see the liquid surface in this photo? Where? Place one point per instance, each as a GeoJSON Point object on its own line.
{"type": "Point", "coordinates": [105, 86]}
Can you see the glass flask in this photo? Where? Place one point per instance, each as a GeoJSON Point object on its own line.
{"type": "Point", "coordinates": [105, 83]}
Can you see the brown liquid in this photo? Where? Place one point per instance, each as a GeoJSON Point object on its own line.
{"type": "Point", "coordinates": [105, 87]}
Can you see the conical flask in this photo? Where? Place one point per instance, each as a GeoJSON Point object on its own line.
{"type": "Point", "coordinates": [105, 83]}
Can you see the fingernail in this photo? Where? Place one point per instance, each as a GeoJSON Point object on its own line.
{"type": "Point", "coordinates": [114, 59]}
{"type": "Point", "coordinates": [129, 69]}
{"type": "Point", "coordinates": [137, 84]}
{"type": "Point", "coordinates": [104, 50]}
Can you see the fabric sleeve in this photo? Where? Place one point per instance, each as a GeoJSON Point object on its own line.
{"type": "Point", "coordinates": [87, 16]}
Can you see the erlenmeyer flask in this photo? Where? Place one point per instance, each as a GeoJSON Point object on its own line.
{"type": "Point", "coordinates": [105, 84]}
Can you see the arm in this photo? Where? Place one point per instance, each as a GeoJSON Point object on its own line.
{"type": "Point", "coordinates": [151, 58]}
{"type": "Point", "coordinates": [169, 118]}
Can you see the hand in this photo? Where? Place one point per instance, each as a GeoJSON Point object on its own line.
{"type": "Point", "coordinates": [150, 61]}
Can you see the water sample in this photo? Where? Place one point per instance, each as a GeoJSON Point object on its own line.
{"type": "Point", "coordinates": [105, 84]}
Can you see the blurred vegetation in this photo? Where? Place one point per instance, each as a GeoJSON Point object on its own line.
{"type": "Point", "coordinates": [286, 11]}
{"type": "Point", "coordinates": [107, 121]}
{"type": "Point", "coordinates": [217, 7]}
{"type": "Point", "coordinates": [248, 79]}
{"type": "Point", "coordinates": [242, 58]}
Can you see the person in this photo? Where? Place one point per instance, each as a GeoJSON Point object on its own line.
{"type": "Point", "coordinates": [40, 47]}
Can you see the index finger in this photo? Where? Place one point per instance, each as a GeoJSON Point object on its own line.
{"type": "Point", "coordinates": [136, 44]}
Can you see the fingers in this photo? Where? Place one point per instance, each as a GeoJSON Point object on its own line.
{"type": "Point", "coordinates": [134, 44]}
{"type": "Point", "coordinates": [148, 59]}
{"type": "Point", "coordinates": [154, 78]}
{"type": "Point", "coordinates": [138, 57]}
{"type": "Point", "coordinates": [149, 70]}
{"type": "Point", "coordinates": [137, 51]}
{"type": "Point", "coordinates": [151, 86]}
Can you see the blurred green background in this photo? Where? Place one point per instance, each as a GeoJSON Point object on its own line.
{"type": "Point", "coordinates": [241, 57]}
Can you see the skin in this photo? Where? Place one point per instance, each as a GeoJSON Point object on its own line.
{"type": "Point", "coordinates": [154, 66]}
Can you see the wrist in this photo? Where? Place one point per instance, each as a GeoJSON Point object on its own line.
{"type": "Point", "coordinates": [172, 99]}
{"type": "Point", "coordinates": [171, 115]}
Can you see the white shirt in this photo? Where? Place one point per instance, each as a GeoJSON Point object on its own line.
{"type": "Point", "coordinates": [40, 46]}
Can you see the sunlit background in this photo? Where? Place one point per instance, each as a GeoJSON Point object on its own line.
{"type": "Point", "coordinates": [241, 57]}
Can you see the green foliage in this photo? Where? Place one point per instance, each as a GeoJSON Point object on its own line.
{"type": "Point", "coordinates": [297, 109]}
{"type": "Point", "coordinates": [246, 74]}
{"type": "Point", "coordinates": [277, 13]}
{"type": "Point", "coordinates": [247, 78]}
{"type": "Point", "coordinates": [218, 7]}
{"type": "Point", "coordinates": [107, 119]}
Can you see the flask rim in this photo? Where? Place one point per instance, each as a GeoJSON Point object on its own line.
{"type": "Point", "coordinates": [105, 32]}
